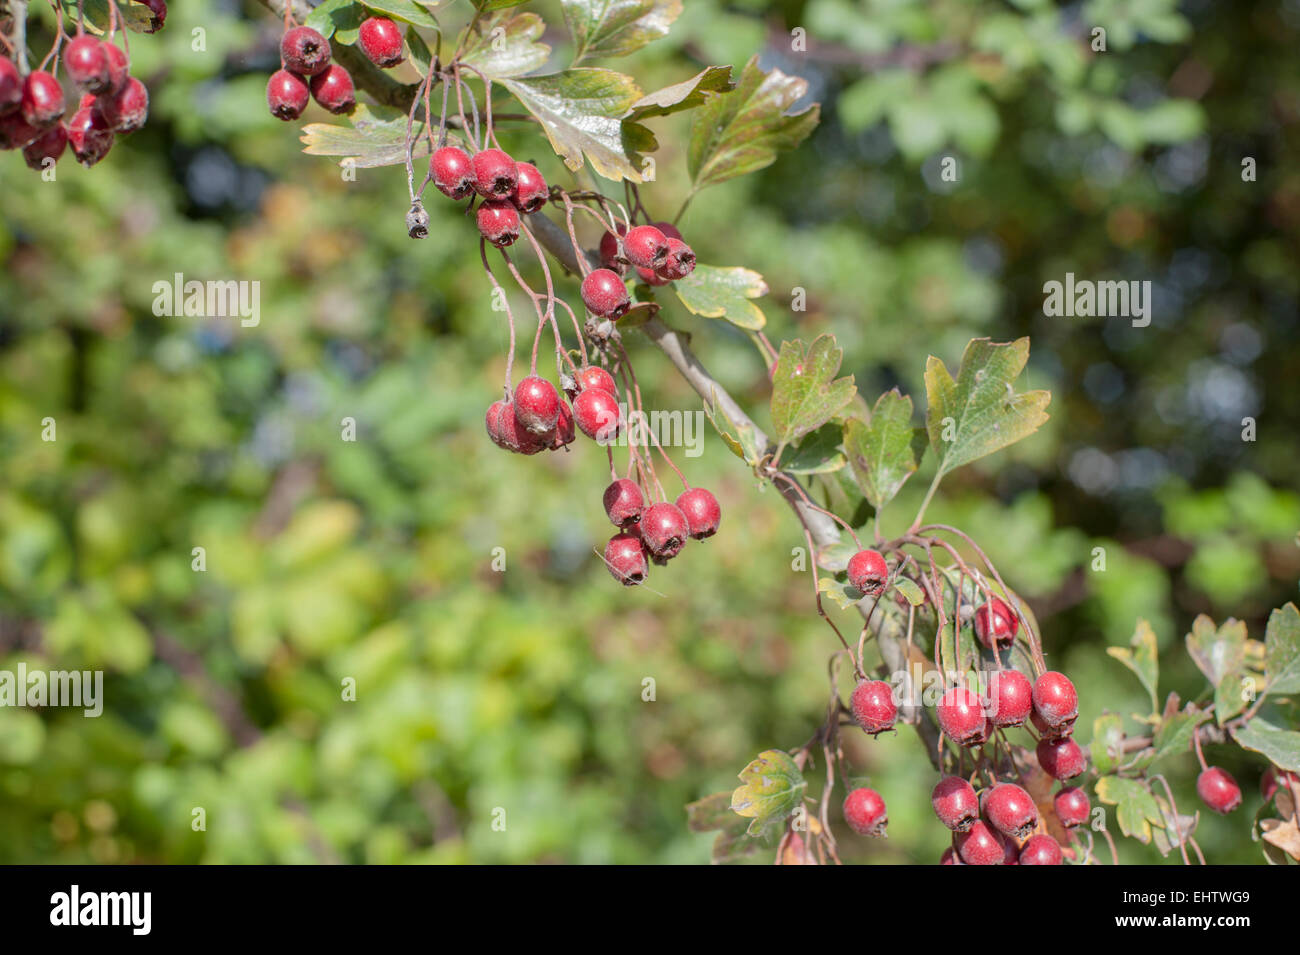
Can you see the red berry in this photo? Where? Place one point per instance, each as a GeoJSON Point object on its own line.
{"type": "Point", "coordinates": [650, 278]}
{"type": "Point", "coordinates": [530, 188]}
{"type": "Point", "coordinates": [604, 294]}
{"type": "Point", "coordinates": [452, 171]}
{"type": "Point", "coordinates": [868, 572]}
{"type": "Point", "coordinates": [495, 174]}
{"type": "Point", "coordinates": [90, 136]}
{"type": "Point", "coordinates": [996, 624]}
{"type": "Point", "coordinates": [11, 89]}
{"type": "Point", "coordinates": [16, 132]}
{"type": "Point", "coordinates": [624, 502]}
{"type": "Point", "coordinates": [381, 40]}
{"type": "Point", "coordinates": [1055, 700]}
{"type": "Point", "coordinates": [873, 706]}
{"type": "Point", "coordinates": [645, 247]}
{"type": "Point", "coordinates": [950, 857]}
{"type": "Point", "coordinates": [1011, 696]}
{"type": "Point", "coordinates": [159, 10]}
{"type": "Point", "coordinates": [702, 512]}
{"type": "Point", "coordinates": [597, 414]}
{"type": "Point", "coordinates": [87, 64]}
{"type": "Point", "coordinates": [333, 89]}
{"type": "Point", "coordinates": [669, 230]}
{"type": "Point", "coordinates": [1010, 810]}
{"type": "Point", "coordinates": [127, 109]}
{"type": "Point", "coordinates": [118, 66]}
{"type": "Point", "coordinates": [42, 102]}
{"type": "Point", "coordinates": [625, 558]}
{"type": "Point", "coordinates": [506, 432]}
{"type": "Point", "coordinates": [305, 51]}
{"type": "Point", "coordinates": [680, 262]}
{"type": "Point", "coordinates": [1072, 806]}
{"type": "Point", "coordinates": [961, 716]}
{"type": "Point", "coordinates": [286, 95]}
{"type": "Point", "coordinates": [596, 377]}
{"type": "Point", "coordinates": [1041, 849]}
{"type": "Point", "coordinates": [1218, 790]}
{"type": "Point", "coordinates": [610, 255]}
{"type": "Point", "coordinates": [565, 431]}
{"type": "Point", "coordinates": [864, 811]}
{"type": "Point", "coordinates": [498, 222]}
{"type": "Point", "coordinates": [537, 405]}
{"type": "Point", "coordinates": [1061, 758]}
{"type": "Point", "coordinates": [955, 803]}
{"type": "Point", "coordinates": [1272, 779]}
{"type": "Point", "coordinates": [49, 145]}
{"type": "Point", "coordinates": [664, 530]}
{"type": "Point", "coordinates": [979, 845]}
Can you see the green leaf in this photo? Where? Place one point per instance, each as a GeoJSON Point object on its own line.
{"type": "Point", "coordinates": [1106, 747]}
{"type": "Point", "coordinates": [713, 814]}
{"type": "Point", "coordinates": [335, 15]}
{"type": "Point", "coordinates": [744, 443]}
{"type": "Point", "coordinates": [1135, 807]}
{"type": "Point", "coordinates": [910, 590]}
{"type": "Point", "coordinates": [603, 28]}
{"type": "Point", "coordinates": [1175, 734]}
{"type": "Point", "coordinates": [406, 10]}
{"type": "Point", "coordinates": [980, 412]}
{"type": "Point", "coordinates": [742, 131]}
{"type": "Point", "coordinates": [772, 789]}
{"type": "Point", "coordinates": [835, 557]}
{"type": "Point", "coordinates": [843, 595]}
{"type": "Point", "coordinates": [685, 95]}
{"type": "Point", "coordinates": [817, 453]}
{"type": "Point", "coordinates": [1282, 647]}
{"type": "Point", "coordinates": [716, 292]}
{"type": "Point", "coordinates": [805, 392]}
{"type": "Point", "coordinates": [880, 450]}
{"type": "Point", "coordinates": [581, 112]}
{"type": "Point", "coordinates": [506, 45]}
{"type": "Point", "coordinates": [1282, 747]}
{"type": "Point", "coordinates": [1141, 659]}
{"type": "Point", "coordinates": [418, 52]}
{"type": "Point", "coordinates": [1220, 654]}
{"type": "Point", "coordinates": [97, 16]}
{"type": "Point", "coordinates": [377, 137]}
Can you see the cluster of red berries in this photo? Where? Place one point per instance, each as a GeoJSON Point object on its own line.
{"type": "Point", "coordinates": [656, 253]}
{"type": "Point", "coordinates": [307, 71]}
{"type": "Point", "coordinates": [507, 187]}
{"type": "Point", "coordinates": [998, 826]}
{"type": "Point", "coordinates": [112, 102]}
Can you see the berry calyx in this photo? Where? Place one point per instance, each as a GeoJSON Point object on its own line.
{"type": "Point", "coordinates": [625, 558]}
{"type": "Point", "coordinates": [286, 95]}
{"type": "Point", "coordinates": [127, 109]}
{"type": "Point", "coordinates": [332, 88]}
{"type": "Point", "coordinates": [380, 39]}
{"type": "Point", "coordinates": [498, 222]}
{"type": "Point", "coordinates": [537, 405]}
{"type": "Point", "coordinates": [305, 51]}
{"type": "Point", "coordinates": [864, 811]}
{"type": "Point", "coordinates": [1011, 696]}
{"type": "Point", "coordinates": [42, 99]}
{"type": "Point", "coordinates": [961, 716]}
{"type": "Point", "coordinates": [996, 624]}
{"type": "Point", "coordinates": [1061, 758]}
{"type": "Point", "coordinates": [1218, 790]}
{"type": "Point", "coordinates": [452, 171]}
{"type": "Point", "coordinates": [1050, 732]}
{"type": "Point", "coordinates": [664, 530]}
{"type": "Point", "coordinates": [604, 294]}
{"type": "Point", "coordinates": [1055, 701]}
{"type": "Point", "coordinates": [1072, 806]}
{"type": "Point", "coordinates": [1041, 849]}
{"type": "Point", "coordinates": [89, 136]}
{"type": "Point", "coordinates": [11, 90]}
{"type": "Point", "coordinates": [680, 261]}
{"type": "Point", "coordinates": [597, 414]}
{"type": "Point", "coordinates": [624, 502]}
{"type": "Point", "coordinates": [530, 188]}
{"type": "Point", "coordinates": [703, 514]}
{"type": "Point", "coordinates": [868, 572]}
{"type": "Point", "coordinates": [87, 64]}
{"type": "Point", "coordinates": [873, 706]}
{"type": "Point", "coordinates": [955, 803]}
{"type": "Point", "coordinates": [592, 376]}
{"type": "Point", "coordinates": [1010, 810]}
{"type": "Point", "coordinates": [645, 247]}
{"type": "Point", "coordinates": [48, 146]}
{"type": "Point", "coordinates": [979, 845]}
{"type": "Point", "coordinates": [495, 174]}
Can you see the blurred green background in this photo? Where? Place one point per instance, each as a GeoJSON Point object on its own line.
{"type": "Point", "coordinates": [479, 690]}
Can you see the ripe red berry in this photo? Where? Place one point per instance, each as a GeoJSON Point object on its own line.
{"type": "Point", "coordinates": [118, 66]}
{"type": "Point", "coordinates": [594, 376]}
{"type": "Point", "coordinates": [495, 174]}
{"type": "Point", "coordinates": [1012, 697]}
{"type": "Point", "coordinates": [625, 558]}
{"type": "Point", "coordinates": [452, 171]}
{"type": "Point", "coordinates": [868, 572]}
{"type": "Point", "coordinates": [498, 222]}
{"type": "Point", "coordinates": [996, 624]}
{"type": "Point", "coordinates": [650, 278]}
{"type": "Point", "coordinates": [505, 430]}
{"type": "Point", "coordinates": [537, 405]}
{"type": "Point", "coordinates": [127, 109]}
{"type": "Point", "coordinates": [679, 263]}
{"type": "Point", "coordinates": [864, 811]}
{"type": "Point", "coordinates": [624, 502]}
{"type": "Point", "coordinates": [332, 88]}
{"type": "Point", "coordinates": [955, 803]}
{"type": "Point", "coordinates": [669, 230]}
{"type": "Point", "coordinates": [1055, 700]}
{"type": "Point", "coordinates": [604, 294]}
{"type": "Point", "coordinates": [950, 857]}
{"type": "Point", "coordinates": [565, 431]}
{"type": "Point", "coordinates": [1218, 790]}
{"type": "Point", "coordinates": [159, 10]}
{"type": "Point", "coordinates": [89, 136]}
{"type": "Point", "coordinates": [16, 132]}
{"type": "Point", "coordinates": [611, 255]}
{"type": "Point", "coordinates": [1072, 806]}
{"type": "Point", "coordinates": [979, 845]}
{"type": "Point", "coordinates": [1041, 849]}
{"type": "Point", "coordinates": [873, 706]}
{"type": "Point", "coordinates": [381, 40]}
{"type": "Point", "coordinates": [11, 88]}
{"type": "Point", "coordinates": [1010, 810]}
{"type": "Point", "coordinates": [702, 512]}
{"type": "Point", "coordinates": [49, 145]}
{"type": "Point", "coordinates": [597, 414]}
{"type": "Point", "coordinates": [87, 64]}
{"type": "Point", "coordinates": [530, 188]}
{"type": "Point", "coordinates": [664, 530]}
{"type": "Point", "coordinates": [286, 95]}
{"type": "Point", "coordinates": [305, 51]}
{"type": "Point", "coordinates": [1061, 758]}
{"type": "Point", "coordinates": [42, 99]}
{"type": "Point", "coordinates": [961, 716]}
{"type": "Point", "coordinates": [645, 247]}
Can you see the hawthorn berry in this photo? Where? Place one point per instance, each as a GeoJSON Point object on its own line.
{"type": "Point", "coordinates": [118, 66]}
{"type": "Point", "coordinates": [1010, 810]}
{"type": "Point", "coordinates": [961, 716]}
{"type": "Point", "coordinates": [159, 10]}
{"type": "Point", "coordinates": [1061, 758]}
{"type": "Point", "coordinates": [664, 530]}
{"type": "Point", "coordinates": [1010, 852]}
{"type": "Point", "coordinates": [624, 502]}
{"type": "Point", "coordinates": [380, 39]}
{"type": "Point", "coordinates": [49, 145]}
{"type": "Point", "coordinates": [11, 88]}
{"type": "Point", "coordinates": [537, 405]}
{"type": "Point", "coordinates": [1011, 698]}
{"type": "Point", "coordinates": [1218, 790]}
{"type": "Point", "coordinates": [597, 414]}
{"type": "Point", "coordinates": [950, 857]}
{"type": "Point", "coordinates": [645, 247]}
{"type": "Point", "coordinates": [650, 277]}
{"type": "Point", "coordinates": [864, 811]}
{"type": "Point", "coordinates": [625, 558]}
{"type": "Point", "coordinates": [498, 222]}
{"type": "Point", "coordinates": [1055, 700]}
{"type": "Point", "coordinates": [286, 95]}
{"type": "Point", "coordinates": [530, 188]}
{"type": "Point", "coordinates": [873, 706]}
{"type": "Point", "coordinates": [495, 174]}
{"type": "Point", "coordinates": [332, 88]}
{"type": "Point", "coordinates": [868, 572]}
{"type": "Point", "coordinates": [89, 136]}
{"type": "Point", "coordinates": [979, 845]}
{"type": "Point", "coordinates": [452, 171]}
{"type": "Point", "coordinates": [493, 421]}
{"type": "Point", "coordinates": [955, 803]}
{"type": "Point", "coordinates": [42, 99]}
{"type": "Point", "coordinates": [305, 51]}
{"type": "Point", "coordinates": [703, 514]}
{"type": "Point", "coordinates": [610, 254]}
{"type": "Point", "coordinates": [127, 109]}
{"type": "Point", "coordinates": [506, 431]}
{"type": "Point", "coordinates": [87, 64]}
{"type": "Point", "coordinates": [1072, 806]}
{"type": "Point", "coordinates": [1041, 849]}
{"type": "Point", "coordinates": [604, 294]}
{"type": "Point", "coordinates": [565, 432]}
{"type": "Point", "coordinates": [16, 132]}
{"type": "Point", "coordinates": [996, 624]}
{"type": "Point", "coordinates": [680, 261]}
{"type": "Point", "coordinates": [593, 376]}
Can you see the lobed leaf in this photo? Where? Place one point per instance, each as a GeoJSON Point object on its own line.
{"type": "Point", "coordinates": [726, 293]}
{"type": "Point", "coordinates": [1282, 747]}
{"type": "Point", "coordinates": [1282, 649]}
{"type": "Point", "coordinates": [508, 45]}
{"type": "Point", "coordinates": [604, 28]}
{"type": "Point", "coordinates": [772, 788]}
{"type": "Point", "coordinates": [881, 450]}
{"type": "Point", "coordinates": [685, 95]}
{"type": "Point", "coordinates": [1135, 807]}
{"type": "Point", "coordinates": [805, 392]}
{"type": "Point", "coordinates": [377, 137]}
{"type": "Point", "coordinates": [818, 453]}
{"type": "Point", "coordinates": [1220, 654]}
{"type": "Point", "coordinates": [1140, 657]}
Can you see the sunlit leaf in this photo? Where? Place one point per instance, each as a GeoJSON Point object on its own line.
{"type": "Point", "coordinates": [606, 28]}
{"type": "Point", "coordinates": [687, 94]}
{"type": "Point", "coordinates": [772, 788]}
{"type": "Point", "coordinates": [1135, 807]}
{"type": "Point", "coordinates": [805, 392]}
{"type": "Point", "coordinates": [717, 292]}
{"type": "Point", "coordinates": [1140, 657]}
{"type": "Point", "coordinates": [508, 45]}
{"type": "Point", "coordinates": [1282, 642]}
{"type": "Point", "coordinates": [1282, 747]}
{"type": "Point", "coordinates": [881, 451]}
